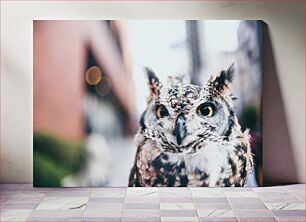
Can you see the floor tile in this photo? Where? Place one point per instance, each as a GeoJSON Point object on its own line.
{"type": "Point", "coordinates": [117, 189]}
{"type": "Point", "coordinates": [274, 189]}
{"type": "Point", "coordinates": [142, 219]}
{"type": "Point", "coordinates": [207, 192]}
{"type": "Point", "coordinates": [285, 206]}
{"type": "Point", "coordinates": [236, 189]}
{"type": "Point", "coordinates": [255, 213]}
{"type": "Point", "coordinates": [236, 205]}
{"type": "Point", "coordinates": [141, 206]}
{"type": "Point", "coordinates": [25, 200]}
{"type": "Point", "coordinates": [177, 206]}
{"type": "Point", "coordinates": [62, 203]}
{"type": "Point", "coordinates": [256, 219]}
{"type": "Point", "coordinates": [57, 213]}
{"type": "Point", "coordinates": [178, 213]}
{"type": "Point", "coordinates": [27, 187]}
{"type": "Point", "coordinates": [91, 205]}
{"type": "Point", "coordinates": [10, 186]}
{"type": "Point", "coordinates": [142, 200]}
{"type": "Point", "coordinates": [216, 213]}
{"type": "Point", "coordinates": [141, 213]}
{"type": "Point", "coordinates": [247, 200]}
{"type": "Point", "coordinates": [106, 200]}
{"type": "Point", "coordinates": [291, 219]}
{"type": "Point", "coordinates": [224, 205]}
{"type": "Point", "coordinates": [176, 200]}
{"type": "Point", "coordinates": [67, 193]}
{"type": "Point", "coordinates": [103, 213]}
{"type": "Point", "coordinates": [172, 192]}
{"type": "Point", "coordinates": [26, 194]}
{"type": "Point", "coordinates": [3, 200]}
{"type": "Point", "coordinates": [20, 206]}
{"type": "Point", "coordinates": [55, 219]}
{"type": "Point", "coordinates": [299, 194]}
{"type": "Point", "coordinates": [296, 186]}
{"type": "Point", "coordinates": [102, 219]}
{"type": "Point", "coordinates": [14, 214]}
{"type": "Point", "coordinates": [109, 192]}
{"type": "Point", "coordinates": [141, 192]}
{"type": "Point", "coordinates": [178, 219]}
{"type": "Point", "coordinates": [210, 200]}
{"type": "Point", "coordinates": [272, 197]}
{"type": "Point", "coordinates": [289, 213]}
{"type": "Point", "coordinates": [174, 189]}
{"type": "Point", "coordinates": [241, 194]}
{"type": "Point", "coordinates": [218, 219]}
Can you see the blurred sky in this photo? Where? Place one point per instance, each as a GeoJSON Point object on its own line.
{"type": "Point", "coordinates": [162, 46]}
{"type": "Point", "coordinates": [159, 45]}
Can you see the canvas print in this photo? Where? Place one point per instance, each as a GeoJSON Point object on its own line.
{"type": "Point", "coordinates": [147, 103]}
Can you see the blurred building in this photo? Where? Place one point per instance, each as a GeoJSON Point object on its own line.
{"type": "Point", "coordinates": [62, 52]}
{"type": "Point", "coordinates": [83, 94]}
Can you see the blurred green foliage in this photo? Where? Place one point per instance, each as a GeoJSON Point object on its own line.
{"type": "Point", "coordinates": [249, 118]}
{"type": "Point", "coordinates": [55, 158]}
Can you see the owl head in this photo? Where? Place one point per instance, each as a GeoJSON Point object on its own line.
{"type": "Point", "coordinates": [180, 115]}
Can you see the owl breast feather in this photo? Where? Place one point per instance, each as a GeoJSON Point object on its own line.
{"type": "Point", "coordinates": [213, 165]}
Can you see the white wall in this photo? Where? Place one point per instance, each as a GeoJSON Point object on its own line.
{"type": "Point", "coordinates": [286, 27]}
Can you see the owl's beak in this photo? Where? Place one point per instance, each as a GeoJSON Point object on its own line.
{"type": "Point", "coordinates": [180, 129]}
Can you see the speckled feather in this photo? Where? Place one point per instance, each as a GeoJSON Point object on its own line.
{"type": "Point", "coordinates": [214, 153]}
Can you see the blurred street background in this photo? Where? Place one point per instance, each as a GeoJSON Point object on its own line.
{"type": "Point", "coordinates": [90, 89]}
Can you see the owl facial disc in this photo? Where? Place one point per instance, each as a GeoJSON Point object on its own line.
{"type": "Point", "coordinates": [180, 115]}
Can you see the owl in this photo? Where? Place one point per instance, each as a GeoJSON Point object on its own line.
{"type": "Point", "coordinates": [190, 136]}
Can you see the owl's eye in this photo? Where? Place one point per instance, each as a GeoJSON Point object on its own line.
{"type": "Point", "coordinates": [206, 109]}
{"type": "Point", "coordinates": [161, 111]}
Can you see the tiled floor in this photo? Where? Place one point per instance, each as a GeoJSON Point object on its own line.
{"type": "Point", "coordinates": [22, 202]}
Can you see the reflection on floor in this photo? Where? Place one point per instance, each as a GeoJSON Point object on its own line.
{"type": "Point", "coordinates": [22, 202]}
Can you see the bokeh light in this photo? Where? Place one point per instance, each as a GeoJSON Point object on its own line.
{"type": "Point", "coordinates": [93, 75]}
{"type": "Point", "coordinates": [104, 87]}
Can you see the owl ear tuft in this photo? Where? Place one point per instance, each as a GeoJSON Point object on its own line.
{"type": "Point", "coordinates": [221, 83]}
{"type": "Point", "coordinates": [153, 82]}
